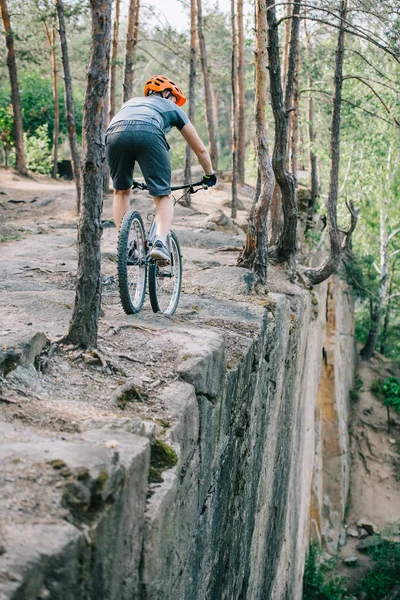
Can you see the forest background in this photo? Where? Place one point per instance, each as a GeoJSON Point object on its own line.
{"type": "Point", "coordinates": [369, 173]}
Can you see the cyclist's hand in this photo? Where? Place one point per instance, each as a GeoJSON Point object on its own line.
{"type": "Point", "coordinates": [209, 180]}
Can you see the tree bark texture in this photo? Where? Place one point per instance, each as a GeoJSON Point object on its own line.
{"type": "Point", "coordinates": [287, 245]}
{"type": "Point", "coordinates": [255, 252]}
{"type": "Point", "coordinates": [241, 151]}
{"type": "Point", "coordinates": [106, 167]}
{"type": "Point", "coordinates": [312, 157]}
{"type": "Point", "coordinates": [130, 48]}
{"type": "Point", "coordinates": [84, 323]}
{"type": "Point", "coordinates": [286, 45]}
{"type": "Point", "coordinates": [15, 97]}
{"type": "Point", "coordinates": [192, 87]}
{"type": "Point", "coordinates": [294, 122]}
{"type": "Point", "coordinates": [69, 103]}
{"type": "Point", "coordinates": [325, 270]}
{"type": "Point", "coordinates": [51, 38]}
{"type": "Point", "coordinates": [210, 116]}
{"type": "Point", "coordinates": [114, 60]}
{"type": "Point", "coordinates": [234, 120]}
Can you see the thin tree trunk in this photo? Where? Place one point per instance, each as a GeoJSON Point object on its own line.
{"type": "Point", "coordinates": [192, 86]}
{"type": "Point", "coordinates": [234, 85]}
{"type": "Point", "coordinates": [84, 323]}
{"type": "Point", "coordinates": [325, 270]}
{"type": "Point", "coordinates": [241, 151]}
{"type": "Point", "coordinates": [106, 167]}
{"type": "Point", "coordinates": [114, 59]}
{"type": "Point", "coordinates": [69, 103]}
{"type": "Point", "coordinates": [275, 216]}
{"type": "Point", "coordinates": [210, 117]}
{"type": "Point", "coordinates": [294, 122]}
{"type": "Point", "coordinates": [286, 45]}
{"type": "Point", "coordinates": [130, 48]}
{"type": "Point", "coordinates": [255, 252]}
{"type": "Point", "coordinates": [51, 38]}
{"type": "Point", "coordinates": [287, 244]}
{"type": "Point", "coordinates": [312, 157]}
{"type": "Point", "coordinates": [15, 97]}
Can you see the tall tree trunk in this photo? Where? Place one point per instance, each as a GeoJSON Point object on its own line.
{"type": "Point", "coordinates": [192, 86]}
{"type": "Point", "coordinates": [51, 38]}
{"type": "Point", "coordinates": [114, 59]}
{"type": "Point", "coordinates": [286, 45]}
{"type": "Point", "coordinates": [84, 323]}
{"type": "Point", "coordinates": [275, 216]}
{"type": "Point", "coordinates": [241, 151]}
{"type": "Point", "coordinates": [312, 157]}
{"type": "Point", "coordinates": [210, 117]}
{"type": "Point", "coordinates": [234, 85]}
{"type": "Point", "coordinates": [255, 252]}
{"type": "Point", "coordinates": [69, 103]}
{"type": "Point", "coordinates": [325, 270]}
{"type": "Point", "coordinates": [15, 98]}
{"type": "Point", "coordinates": [287, 244]}
{"type": "Point", "coordinates": [130, 48]}
{"type": "Point", "coordinates": [294, 122]}
{"type": "Point", "coordinates": [106, 166]}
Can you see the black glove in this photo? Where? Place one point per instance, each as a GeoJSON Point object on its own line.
{"type": "Point", "coordinates": [209, 180]}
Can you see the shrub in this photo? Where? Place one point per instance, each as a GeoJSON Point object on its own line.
{"type": "Point", "coordinates": [37, 148]}
{"type": "Point", "coordinates": [384, 575]}
{"type": "Point", "coordinates": [391, 393]}
{"type": "Point", "coordinates": [318, 581]}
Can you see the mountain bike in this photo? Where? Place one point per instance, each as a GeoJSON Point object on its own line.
{"type": "Point", "coordinates": [135, 267]}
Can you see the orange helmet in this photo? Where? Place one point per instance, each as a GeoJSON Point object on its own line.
{"type": "Point", "coordinates": [159, 83]}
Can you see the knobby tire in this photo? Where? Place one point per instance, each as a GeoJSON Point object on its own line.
{"type": "Point", "coordinates": [158, 302]}
{"type": "Point", "coordinates": [131, 299]}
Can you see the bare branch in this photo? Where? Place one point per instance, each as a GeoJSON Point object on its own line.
{"type": "Point", "coordinates": [362, 79]}
{"type": "Point", "coordinates": [393, 234]}
{"type": "Point", "coordinates": [394, 253]}
{"type": "Point", "coordinates": [373, 66]}
{"type": "Point", "coordinates": [368, 112]}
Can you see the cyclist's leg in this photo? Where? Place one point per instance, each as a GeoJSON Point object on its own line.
{"type": "Point", "coordinates": [120, 205]}
{"type": "Point", "coordinates": [164, 215]}
{"type": "Point", "coordinates": [120, 157]}
{"type": "Point", "coordinates": [153, 158]}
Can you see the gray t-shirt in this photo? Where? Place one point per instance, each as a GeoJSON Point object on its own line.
{"type": "Point", "coordinates": [160, 112]}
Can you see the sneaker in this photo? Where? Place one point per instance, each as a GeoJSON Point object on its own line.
{"type": "Point", "coordinates": [133, 255]}
{"type": "Point", "coordinates": [160, 253]}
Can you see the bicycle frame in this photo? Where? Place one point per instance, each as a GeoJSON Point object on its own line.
{"type": "Point", "coordinates": [151, 231]}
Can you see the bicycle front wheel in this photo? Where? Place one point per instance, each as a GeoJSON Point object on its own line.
{"type": "Point", "coordinates": [132, 271]}
{"type": "Point", "coordinates": [165, 282]}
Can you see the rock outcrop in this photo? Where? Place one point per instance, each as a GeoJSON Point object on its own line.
{"type": "Point", "coordinates": [220, 507]}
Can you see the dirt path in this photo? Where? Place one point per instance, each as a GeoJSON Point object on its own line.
{"type": "Point", "coordinates": [37, 274]}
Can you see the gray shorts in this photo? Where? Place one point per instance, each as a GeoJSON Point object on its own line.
{"type": "Point", "coordinates": [127, 143]}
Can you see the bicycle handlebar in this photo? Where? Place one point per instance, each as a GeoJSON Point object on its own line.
{"type": "Point", "coordinates": [189, 186]}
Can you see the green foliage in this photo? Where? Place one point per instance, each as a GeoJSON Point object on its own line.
{"type": "Point", "coordinates": [376, 388]}
{"type": "Point", "coordinates": [391, 392]}
{"type": "Point", "coordinates": [38, 150]}
{"type": "Point", "coordinates": [385, 572]}
{"type": "Point", "coordinates": [318, 581]}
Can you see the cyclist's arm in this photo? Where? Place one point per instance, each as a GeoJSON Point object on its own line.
{"type": "Point", "coordinates": [191, 136]}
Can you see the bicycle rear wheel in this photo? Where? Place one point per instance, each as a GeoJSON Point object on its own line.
{"type": "Point", "coordinates": [165, 282]}
{"type": "Point", "coordinates": [132, 271]}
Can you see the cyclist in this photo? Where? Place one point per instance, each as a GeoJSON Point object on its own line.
{"type": "Point", "coordinates": [137, 133]}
